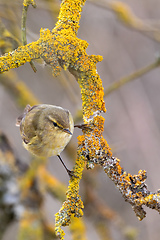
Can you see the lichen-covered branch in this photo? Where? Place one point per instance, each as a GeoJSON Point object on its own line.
{"type": "Point", "coordinates": [94, 147]}
{"type": "Point", "coordinates": [19, 56]}
{"type": "Point", "coordinates": [132, 187]}
{"type": "Point", "coordinates": [43, 48]}
{"type": "Point", "coordinates": [55, 47]}
{"type": "Point", "coordinates": [73, 205]}
{"type": "Point", "coordinates": [61, 48]}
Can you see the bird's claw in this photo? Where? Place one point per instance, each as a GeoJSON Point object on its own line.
{"type": "Point", "coordinates": [83, 126]}
{"type": "Point", "coordinates": [71, 174]}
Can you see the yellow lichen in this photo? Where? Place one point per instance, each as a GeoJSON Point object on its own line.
{"type": "Point", "coordinates": [28, 2]}
{"type": "Point", "coordinates": [77, 229]}
{"type": "Point", "coordinates": [73, 203]}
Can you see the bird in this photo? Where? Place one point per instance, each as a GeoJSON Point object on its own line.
{"type": "Point", "coordinates": [46, 130]}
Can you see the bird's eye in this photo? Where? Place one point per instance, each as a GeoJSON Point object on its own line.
{"type": "Point", "coordinates": [55, 124]}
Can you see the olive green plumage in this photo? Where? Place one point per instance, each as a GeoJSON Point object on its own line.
{"type": "Point", "coordinates": [45, 129]}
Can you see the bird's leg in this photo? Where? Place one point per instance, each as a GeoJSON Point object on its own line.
{"type": "Point", "coordinates": [70, 173]}
{"type": "Point", "coordinates": [83, 126]}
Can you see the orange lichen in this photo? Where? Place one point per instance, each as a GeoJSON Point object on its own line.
{"type": "Point", "coordinates": [19, 56]}
{"type": "Point", "coordinates": [133, 188]}
{"type": "Point", "coordinates": [61, 48]}
{"type": "Point", "coordinates": [73, 204]}
{"type": "Point", "coordinates": [28, 2]}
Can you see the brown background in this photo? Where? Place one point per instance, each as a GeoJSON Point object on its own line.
{"type": "Point", "coordinates": [132, 126]}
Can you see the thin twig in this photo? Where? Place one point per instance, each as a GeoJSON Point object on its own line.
{"type": "Point", "coordinates": [23, 29]}
{"type": "Point", "coordinates": [131, 77]}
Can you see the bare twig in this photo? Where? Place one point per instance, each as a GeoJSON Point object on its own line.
{"type": "Point", "coordinates": [23, 25]}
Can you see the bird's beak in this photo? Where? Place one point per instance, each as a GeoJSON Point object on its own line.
{"type": "Point", "coordinates": [67, 131]}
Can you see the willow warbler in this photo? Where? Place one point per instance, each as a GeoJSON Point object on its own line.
{"type": "Point", "coordinates": [46, 130]}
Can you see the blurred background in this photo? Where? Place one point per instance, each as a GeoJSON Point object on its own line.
{"type": "Point", "coordinates": [132, 125]}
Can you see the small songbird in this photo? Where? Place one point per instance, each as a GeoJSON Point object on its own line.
{"type": "Point", "coordinates": [46, 130]}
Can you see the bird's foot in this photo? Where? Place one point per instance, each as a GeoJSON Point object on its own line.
{"type": "Point", "coordinates": [83, 126]}
{"type": "Point", "coordinates": [71, 173]}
